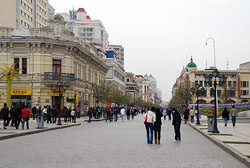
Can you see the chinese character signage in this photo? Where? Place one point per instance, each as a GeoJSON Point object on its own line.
{"type": "Point", "coordinates": [21, 92]}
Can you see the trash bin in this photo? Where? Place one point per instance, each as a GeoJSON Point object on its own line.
{"type": "Point", "coordinates": [210, 123]}
{"type": "Point", "coordinates": [40, 122]}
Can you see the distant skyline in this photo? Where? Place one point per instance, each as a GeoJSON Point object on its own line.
{"type": "Point", "coordinates": [159, 37]}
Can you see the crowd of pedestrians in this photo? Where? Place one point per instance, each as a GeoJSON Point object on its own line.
{"type": "Point", "coordinates": [15, 115]}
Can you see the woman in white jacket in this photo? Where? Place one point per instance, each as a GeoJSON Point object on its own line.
{"type": "Point", "coordinates": [150, 118]}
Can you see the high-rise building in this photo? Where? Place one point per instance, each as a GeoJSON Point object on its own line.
{"type": "Point", "coordinates": [85, 28]}
{"type": "Point", "coordinates": [50, 12]}
{"type": "Point", "coordinates": [120, 53]}
{"type": "Point", "coordinates": [23, 13]}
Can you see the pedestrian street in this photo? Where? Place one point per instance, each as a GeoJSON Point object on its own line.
{"type": "Point", "coordinates": [113, 145]}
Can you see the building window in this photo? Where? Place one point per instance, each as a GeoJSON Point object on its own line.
{"type": "Point", "coordinates": [56, 68]}
{"type": "Point", "coordinates": [16, 62]}
{"type": "Point", "coordinates": [229, 83]}
{"type": "Point", "coordinates": [127, 79]}
{"type": "Point", "coordinates": [24, 65]}
{"type": "Point", "coordinates": [244, 92]}
{"type": "Point", "coordinates": [219, 93]}
{"type": "Point", "coordinates": [244, 84]}
{"type": "Point", "coordinates": [131, 88]}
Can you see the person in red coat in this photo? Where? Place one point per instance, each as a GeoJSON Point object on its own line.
{"type": "Point", "coordinates": [25, 117]}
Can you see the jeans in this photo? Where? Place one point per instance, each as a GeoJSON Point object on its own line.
{"type": "Point", "coordinates": [149, 127]}
{"type": "Point", "coordinates": [233, 120]}
{"type": "Point", "coordinates": [225, 121]}
{"type": "Point", "coordinates": [177, 131]}
{"type": "Point", "coordinates": [27, 122]}
{"type": "Point", "coordinates": [192, 119]}
{"type": "Point", "coordinates": [115, 118]}
{"type": "Point", "coordinates": [165, 117]}
{"type": "Point", "coordinates": [123, 117]}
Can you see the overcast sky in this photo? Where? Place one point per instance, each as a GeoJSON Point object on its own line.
{"type": "Point", "coordinates": [160, 36]}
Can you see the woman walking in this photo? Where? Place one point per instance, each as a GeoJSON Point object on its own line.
{"type": "Point", "coordinates": [157, 126]}
{"type": "Point", "coordinates": [186, 115]}
{"type": "Point", "coordinates": [225, 116]}
{"type": "Point", "coordinates": [177, 124]}
{"type": "Point", "coordinates": [90, 115]}
{"type": "Point", "coordinates": [150, 118]}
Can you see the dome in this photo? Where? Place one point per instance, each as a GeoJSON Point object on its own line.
{"type": "Point", "coordinates": [191, 64]}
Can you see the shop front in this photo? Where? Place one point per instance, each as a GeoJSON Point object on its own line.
{"type": "Point", "coordinates": [21, 98]}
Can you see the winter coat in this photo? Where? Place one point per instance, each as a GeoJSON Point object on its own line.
{"type": "Point", "coordinates": [25, 113]}
{"type": "Point", "coordinates": [5, 112]}
{"type": "Point", "coordinates": [157, 123]}
{"type": "Point", "coordinates": [176, 118]}
{"type": "Point", "coordinates": [225, 114]}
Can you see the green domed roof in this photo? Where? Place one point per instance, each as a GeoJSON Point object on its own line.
{"type": "Point", "coordinates": [191, 64]}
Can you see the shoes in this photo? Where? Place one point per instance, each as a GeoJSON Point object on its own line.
{"type": "Point", "coordinates": [4, 128]}
{"type": "Point", "coordinates": [174, 140]}
{"type": "Point", "coordinates": [155, 141]}
{"type": "Point", "coordinates": [159, 142]}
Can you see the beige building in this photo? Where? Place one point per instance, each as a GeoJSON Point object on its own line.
{"type": "Point", "coordinates": [131, 86]}
{"type": "Point", "coordinates": [23, 13]}
{"type": "Point", "coordinates": [56, 67]}
{"type": "Point", "coordinates": [237, 85]}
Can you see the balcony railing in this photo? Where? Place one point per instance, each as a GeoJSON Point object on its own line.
{"type": "Point", "coordinates": [63, 77]}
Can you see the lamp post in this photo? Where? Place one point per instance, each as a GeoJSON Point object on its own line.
{"type": "Point", "coordinates": [59, 84]}
{"type": "Point", "coordinates": [222, 81]}
{"type": "Point", "coordinates": [214, 48]}
{"type": "Point", "coordinates": [198, 93]}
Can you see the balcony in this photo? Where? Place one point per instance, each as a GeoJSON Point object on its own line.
{"type": "Point", "coordinates": [63, 77]}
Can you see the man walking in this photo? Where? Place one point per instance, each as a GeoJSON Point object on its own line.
{"type": "Point", "coordinates": [234, 114]}
{"type": "Point", "coordinates": [25, 117]}
{"type": "Point", "coordinates": [34, 112]}
{"type": "Point", "coordinates": [177, 124]}
{"type": "Point", "coordinates": [5, 114]}
{"type": "Point", "coordinates": [123, 113]}
{"type": "Point", "coordinates": [150, 118]}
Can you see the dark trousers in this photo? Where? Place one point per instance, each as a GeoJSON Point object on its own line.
{"type": "Point", "coordinates": [5, 122]}
{"type": "Point", "coordinates": [128, 117]}
{"type": "Point", "coordinates": [89, 121]}
{"type": "Point", "coordinates": [149, 127]}
{"type": "Point", "coordinates": [49, 119]}
{"type": "Point", "coordinates": [65, 118]}
{"type": "Point", "coordinates": [165, 117]}
{"type": "Point", "coordinates": [34, 116]}
{"type": "Point", "coordinates": [54, 119]}
{"type": "Point", "coordinates": [233, 120]}
{"type": "Point", "coordinates": [157, 132]}
{"type": "Point", "coordinates": [17, 122]}
{"type": "Point", "coordinates": [177, 131]}
{"type": "Point", "coordinates": [169, 116]}
{"type": "Point", "coordinates": [107, 118]}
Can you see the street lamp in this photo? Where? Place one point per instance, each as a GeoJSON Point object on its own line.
{"type": "Point", "coordinates": [214, 49]}
{"type": "Point", "coordinates": [198, 93]}
{"type": "Point", "coordinates": [222, 81]}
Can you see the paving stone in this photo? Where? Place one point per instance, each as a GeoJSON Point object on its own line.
{"type": "Point", "coordinates": [113, 145]}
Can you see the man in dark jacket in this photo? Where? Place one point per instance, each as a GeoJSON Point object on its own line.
{"type": "Point", "coordinates": [34, 112]}
{"type": "Point", "coordinates": [225, 116]}
{"type": "Point", "coordinates": [54, 114]}
{"type": "Point", "coordinates": [5, 114]}
{"type": "Point", "coordinates": [177, 124]}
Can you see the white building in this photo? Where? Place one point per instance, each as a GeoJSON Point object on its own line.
{"type": "Point", "coordinates": [84, 27]}
{"type": "Point", "coordinates": [120, 53]}
{"type": "Point", "coordinates": [116, 73]}
{"type": "Point", "coordinates": [50, 11]}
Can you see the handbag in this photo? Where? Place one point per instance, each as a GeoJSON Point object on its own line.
{"type": "Point", "coordinates": [146, 119]}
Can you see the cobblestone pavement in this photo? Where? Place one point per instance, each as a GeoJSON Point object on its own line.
{"type": "Point", "coordinates": [118, 145]}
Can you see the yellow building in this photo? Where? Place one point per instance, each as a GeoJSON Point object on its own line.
{"type": "Point", "coordinates": [50, 59]}
{"type": "Point", "coordinates": [23, 13]}
{"type": "Point", "coordinates": [237, 85]}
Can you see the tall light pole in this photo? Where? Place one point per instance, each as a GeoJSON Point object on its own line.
{"type": "Point", "coordinates": [214, 48]}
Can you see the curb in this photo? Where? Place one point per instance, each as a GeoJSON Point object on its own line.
{"type": "Point", "coordinates": [236, 154]}
{"type": "Point", "coordinates": [36, 131]}
{"type": "Point", "coordinates": [95, 120]}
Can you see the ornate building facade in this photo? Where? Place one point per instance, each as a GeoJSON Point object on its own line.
{"type": "Point", "coordinates": [237, 85]}
{"type": "Point", "coordinates": [56, 68]}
